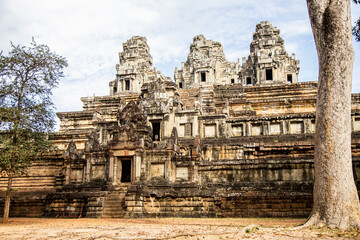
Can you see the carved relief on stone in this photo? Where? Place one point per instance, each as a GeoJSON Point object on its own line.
{"type": "Point", "coordinates": [132, 126]}
{"type": "Point", "coordinates": [72, 153]}
{"type": "Point", "coordinates": [93, 143]}
{"type": "Point", "coordinates": [131, 114]}
{"type": "Point", "coordinates": [159, 97]}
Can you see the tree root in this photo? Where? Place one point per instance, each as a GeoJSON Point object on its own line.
{"type": "Point", "coordinates": [346, 222]}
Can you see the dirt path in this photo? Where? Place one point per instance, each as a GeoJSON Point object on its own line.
{"type": "Point", "coordinates": [166, 228]}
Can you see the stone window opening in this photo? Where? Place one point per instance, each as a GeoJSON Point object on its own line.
{"type": "Point", "coordinates": [103, 136]}
{"type": "Point", "coordinates": [203, 76]}
{"type": "Point", "coordinates": [296, 127]}
{"type": "Point", "coordinates": [256, 129]}
{"type": "Point", "coordinates": [127, 85]}
{"type": "Point", "coordinates": [289, 78]}
{"type": "Point", "coordinates": [185, 130]}
{"type": "Point", "coordinates": [115, 90]}
{"type": "Point", "coordinates": [248, 81]}
{"type": "Point", "coordinates": [188, 130]}
{"type": "Point", "coordinates": [156, 131]}
{"type": "Point", "coordinates": [232, 81]}
{"type": "Point", "coordinates": [210, 130]}
{"type": "Point", "coordinates": [180, 85]}
{"type": "Point", "coordinates": [313, 126]}
{"type": "Point", "coordinates": [238, 130]}
{"type": "Point", "coordinates": [276, 128]}
{"type": "Point", "coordinates": [356, 124]}
{"type": "Point", "coordinates": [269, 74]}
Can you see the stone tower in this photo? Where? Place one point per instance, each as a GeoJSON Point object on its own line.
{"type": "Point", "coordinates": [206, 65]}
{"type": "Point", "coordinates": [268, 61]}
{"type": "Point", "coordinates": [135, 67]}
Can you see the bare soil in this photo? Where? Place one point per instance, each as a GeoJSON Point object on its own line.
{"type": "Point", "coordinates": [166, 228]}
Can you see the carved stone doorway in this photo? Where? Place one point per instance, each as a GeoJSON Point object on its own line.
{"type": "Point", "coordinates": [125, 170]}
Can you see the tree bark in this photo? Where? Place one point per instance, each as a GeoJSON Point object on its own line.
{"type": "Point", "coordinates": [336, 201]}
{"type": "Point", "coordinates": [7, 198]}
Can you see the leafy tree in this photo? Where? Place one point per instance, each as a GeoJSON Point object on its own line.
{"type": "Point", "coordinates": [336, 201]}
{"type": "Point", "coordinates": [356, 28]}
{"type": "Point", "coordinates": [27, 77]}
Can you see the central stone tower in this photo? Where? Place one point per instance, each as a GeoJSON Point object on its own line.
{"type": "Point", "coordinates": [206, 65]}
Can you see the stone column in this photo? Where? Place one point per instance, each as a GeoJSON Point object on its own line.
{"type": "Point", "coordinates": [118, 85]}
{"type": "Point", "coordinates": [88, 170]}
{"type": "Point", "coordinates": [111, 169]}
{"type": "Point", "coordinates": [68, 172]}
{"type": "Point", "coordinates": [258, 75]}
{"type": "Point", "coordinates": [137, 167]}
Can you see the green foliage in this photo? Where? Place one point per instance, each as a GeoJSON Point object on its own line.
{"type": "Point", "coordinates": [17, 157]}
{"type": "Point", "coordinates": [251, 229]}
{"type": "Point", "coordinates": [27, 77]}
{"type": "Point", "coordinates": [356, 28]}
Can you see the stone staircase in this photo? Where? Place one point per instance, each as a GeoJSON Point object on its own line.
{"type": "Point", "coordinates": [114, 204]}
{"type": "Point", "coordinates": [207, 100]}
{"type": "Point", "coordinates": [189, 97]}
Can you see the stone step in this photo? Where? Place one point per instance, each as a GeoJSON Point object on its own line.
{"type": "Point", "coordinates": [114, 216]}
{"type": "Point", "coordinates": [113, 207]}
{"type": "Point", "coordinates": [113, 213]}
{"type": "Point", "coordinates": [117, 198]}
{"type": "Point", "coordinates": [114, 201]}
{"type": "Point", "coordinates": [116, 195]}
{"type": "Point", "coordinates": [114, 204]}
{"type": "Point", "coordinates": [107, 209]}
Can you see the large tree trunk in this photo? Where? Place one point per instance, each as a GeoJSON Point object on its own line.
{"type": "Point", "coordinates": [336, 201]}
{"type": "Point", "coordinates": [7, 198]}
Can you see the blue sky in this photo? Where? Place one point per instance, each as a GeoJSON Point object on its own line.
{"type": "Point", "coordinates": [90, 34]}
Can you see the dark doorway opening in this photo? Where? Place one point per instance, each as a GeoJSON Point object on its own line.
{"type": "Point", "coordinates": [289, 78]}
{"type": "Point", "coordinates": [125, 171]}
{"type": "Point", "coordinates": [156, 131]}
{"type": "Point", "coordinates": [269, 74]}
{"type": "Point", "coordinates": [127, 84]}
{"type": "Point", "coordinates": [248, 81]}
{"type": "Point", "coordinates": [203, 76]}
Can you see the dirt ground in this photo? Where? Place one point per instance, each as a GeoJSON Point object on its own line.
{"type": "Point", "coordinates": [165, 228]}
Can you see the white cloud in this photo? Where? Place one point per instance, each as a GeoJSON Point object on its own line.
{"type": "Point", "coordinates": [90, 33]}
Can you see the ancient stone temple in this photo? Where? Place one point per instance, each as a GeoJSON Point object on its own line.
{"type": "Point", "coordinates": [223, 139]}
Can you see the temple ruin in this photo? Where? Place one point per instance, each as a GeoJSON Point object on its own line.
{"type": "Point", "coordinates": [224, 139]}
